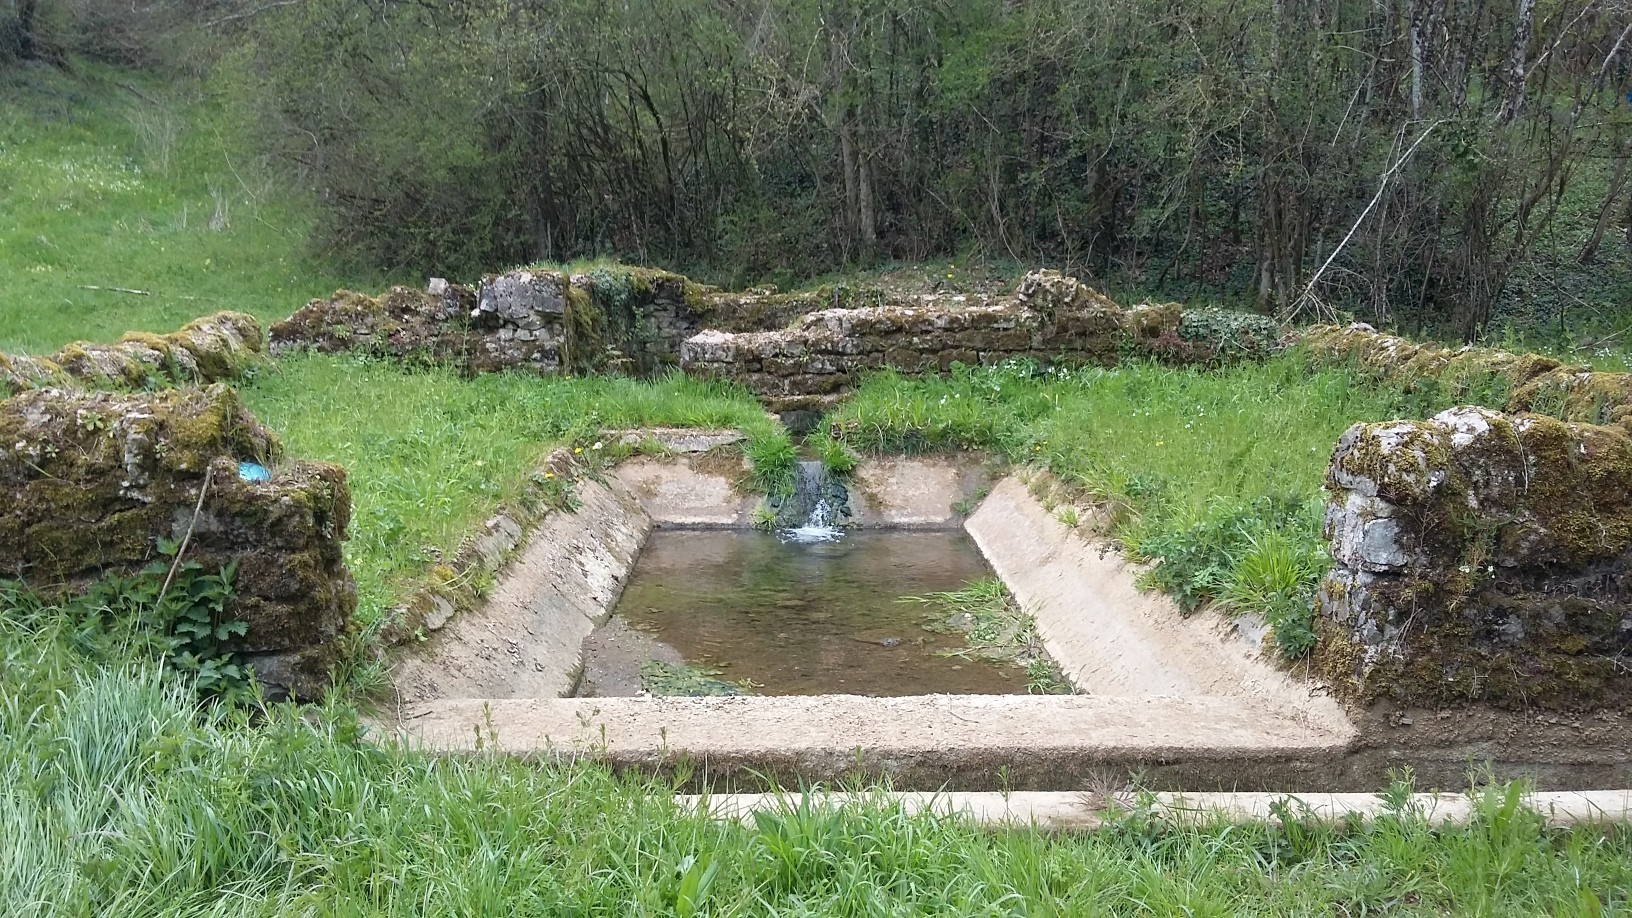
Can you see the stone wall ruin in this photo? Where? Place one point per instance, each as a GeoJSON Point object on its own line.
{"type": "Point", "coordinates": [1050, 317]}
{"type": "Point", "coordinates": [1480, 557]}
{"type": "Point", "coordinates": [93, 480]}
{"type": "Point", "coordinates": [623, 320]}
{"type": "Point", "coordinates": [211, 349]}
{"type": "Point", "coordinates": [794, 350]}
{"type": "Point", "coordinates": [1510, 382]}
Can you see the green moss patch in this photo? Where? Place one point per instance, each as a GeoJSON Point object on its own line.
{"type": "Point", "coordinates": [1488, 560]}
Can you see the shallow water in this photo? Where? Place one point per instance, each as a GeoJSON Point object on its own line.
{"type": "Point", "coordinates": [805, 619]}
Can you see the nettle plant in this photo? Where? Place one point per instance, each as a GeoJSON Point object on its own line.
{"type": "Point", "coordinates": [176, 611]}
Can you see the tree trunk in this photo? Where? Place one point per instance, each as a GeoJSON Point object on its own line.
{"type": "Point", "coordinates": [1417, 24]}
{"type": "Point", "coordinates": [866, 210]}
{"type": "Point", "coordinates": [1516, 59]}
{"type": "Point", "coordinates": [28, 43]}
{"type": "Point", "coordinates": [1616, 180]}
{"type": "Point", "coordinates": [852, 194]}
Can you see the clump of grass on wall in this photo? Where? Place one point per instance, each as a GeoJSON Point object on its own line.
{"type": "Point", "coordinates": [773, 458]}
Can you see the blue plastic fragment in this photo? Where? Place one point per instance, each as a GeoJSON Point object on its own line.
{"type": "Point", "coordinates": [254, 471]}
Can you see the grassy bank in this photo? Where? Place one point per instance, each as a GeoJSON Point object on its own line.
{"type": "Point", "coordinates": [1214, 474]}
{"type": "Point", "coordinates": [430, 454]}
{"type": "Point", "coordinates": [119, 796]}
{"type": "Point", "coordinates": [112, 180]}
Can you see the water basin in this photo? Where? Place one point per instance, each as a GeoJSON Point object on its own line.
{"type": "Point", "coordinates": [771, 616]}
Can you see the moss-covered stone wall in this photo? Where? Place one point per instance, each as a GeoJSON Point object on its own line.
{"type": "Point", "coordinates": [91, 481]}
{"type": "Point", "coordinates": [1050, 316]}
{"type": "Point", "coordinates": [1494, 378]}
{"type": "Point", "coordinates": [215, 348]}
{"type": "Point", "coordinates": [615, 319]}
{"type": "Point", "coordinates": [785, 346]}
{"type": "Point", "coordinates": [1480, 557]}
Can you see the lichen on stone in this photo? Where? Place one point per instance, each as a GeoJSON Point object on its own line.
{"type": "Point", "coordinates": [1479, 557]}
{"type": "Point", "coordinates": [93, 481]}
{"type": "Point", "coordinates": [211, 349]}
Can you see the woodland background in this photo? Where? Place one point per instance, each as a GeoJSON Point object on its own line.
{"type": "Point", "coordinates": [1428, 164]}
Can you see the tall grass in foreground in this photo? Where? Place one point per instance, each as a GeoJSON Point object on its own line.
{"type": "Point", "coordinates": [429, 453]}
{"type": "Point", "coordinates": [119, 796]}
{"type": "Point", "coordinates": [1214, 474]}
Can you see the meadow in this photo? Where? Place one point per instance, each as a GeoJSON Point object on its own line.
{"type": "Point", "coordinates": [121, 794]}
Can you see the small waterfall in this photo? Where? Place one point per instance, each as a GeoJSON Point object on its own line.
{"type": "Point", "coordinates": [816, 509]}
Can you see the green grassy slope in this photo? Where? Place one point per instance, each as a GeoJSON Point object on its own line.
{"type": "Point", "coordinates": [431, 454]}
{"type": "Point", "coordinates": [111, 180]}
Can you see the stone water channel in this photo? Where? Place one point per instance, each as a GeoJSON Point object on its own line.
{"type": "Point", "coordinates": [1184, 703]}
{"type": "Point", "coordinates": [801, 608]}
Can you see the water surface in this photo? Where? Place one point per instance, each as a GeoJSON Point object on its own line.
{"type": "Point", "coordinates": [805, 619]}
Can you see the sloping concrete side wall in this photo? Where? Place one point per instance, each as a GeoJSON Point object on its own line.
{"type": "Point", "coordinates": [524, 640]}
{"type": "Point", "coordinates": [1112, 639]}
{"type": "Point", "coordinates": [690, 491]}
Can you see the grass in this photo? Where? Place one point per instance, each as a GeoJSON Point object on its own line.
{"type": "Point", "coordinates": [1206, 472]}
{"type": "Point", "coordinates": [109, 179]}
{"type": "Point", "coordinates": [994, 628]}
{"type": "Point", "coordinates": [430, 454]}
{"type": "Point", "coordinates": [118, 795]}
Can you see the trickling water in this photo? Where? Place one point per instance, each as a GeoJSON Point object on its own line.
{"type": "Point", "coordinates": [816, 509]}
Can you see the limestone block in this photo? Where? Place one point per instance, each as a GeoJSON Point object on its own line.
{"type": "Point", "coordinates": [1479, 556]}
{"type": "Point", "coordinates": [522, 295]}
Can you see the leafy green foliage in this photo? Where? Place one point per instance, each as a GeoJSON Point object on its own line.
{"type": "Point", "coordinates": [1204, 560]}
{"type": "Point", "coordinates": [185, 626]}
{"type": "Point", "coordinates": [800, 138]}
{"type": "Point", "coordinates": [1229, 333]}
{"type": "Point", "coordinates": [1275, 577]}
{"type": "Point", "coordinates": [119, 795]}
